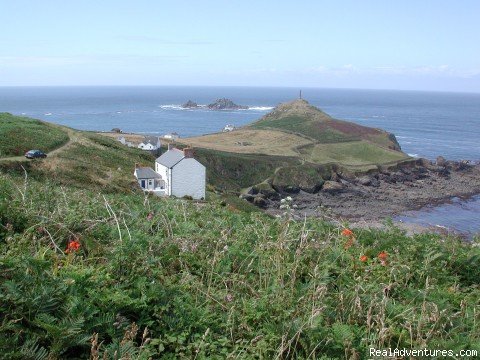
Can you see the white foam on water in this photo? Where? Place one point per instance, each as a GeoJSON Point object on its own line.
{"type": "Point", "coordinates": [260, 108]}
{"type": "Point", "coordinates": [172, 107]}
{"type": "Point", "coordinates": [413, 155]}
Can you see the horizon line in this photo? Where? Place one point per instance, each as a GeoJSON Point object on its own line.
{"type": "Point", "coordinates": [247, 86]}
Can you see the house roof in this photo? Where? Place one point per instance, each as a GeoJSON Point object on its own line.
{"type": "Point", "coordinates": [146, 173]}
{"type": "Point", "coordinates": [153, 140]}
{"type": "Point", "coordinates": [170, 158]}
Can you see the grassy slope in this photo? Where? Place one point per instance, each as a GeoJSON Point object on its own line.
{"type": "Point", "coordinates": [212, 282]}
{"type": "Point", "coordinates": [20, 134]}
{"type": "Point", "coordinates": [91, 161]}
{"type": "Point", "coordinates": [354, 153]}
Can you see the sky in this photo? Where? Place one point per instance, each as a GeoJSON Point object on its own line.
{"type": "Point", "coordinates": [407, 45]}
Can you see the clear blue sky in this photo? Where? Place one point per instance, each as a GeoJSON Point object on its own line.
{"type": "Point", "coordinates": [419, 45]}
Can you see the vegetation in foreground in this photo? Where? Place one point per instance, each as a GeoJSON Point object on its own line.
{"type": "Point", "coordinates": [20, 134]}
{"type": "Point", "coordinates": [133, 277]}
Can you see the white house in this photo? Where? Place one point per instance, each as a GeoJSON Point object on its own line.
{"type": "Point", "coordinates": [150, 143]}
{"type": "Point", "coordinates": [148, 179]}
{"type": "Point", "coordinates": [181, 173]}
{"type": "Point", "coordinates": [171, 136]}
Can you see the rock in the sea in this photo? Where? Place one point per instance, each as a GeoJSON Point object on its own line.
{"type": "Point", "coordinates": [225, 104]}
{"type": "Point", "coordinates": [332, 186]}
{"type": "Point", "coordinates": [190, 105]}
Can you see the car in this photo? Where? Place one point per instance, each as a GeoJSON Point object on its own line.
{"type": "Point", "coordinates": [35, 154]}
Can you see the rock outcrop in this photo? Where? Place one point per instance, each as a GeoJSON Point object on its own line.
{"type": "Point", "coordinates": [225, 104]}
{"type": "Point", "coordinates": [190, 105]}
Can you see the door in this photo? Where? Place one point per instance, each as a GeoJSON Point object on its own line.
{"type": "Point", "coordinates": [142, 184]}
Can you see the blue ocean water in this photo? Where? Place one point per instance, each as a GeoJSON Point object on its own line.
{"type": "Point", "coordinates": [427, 124]}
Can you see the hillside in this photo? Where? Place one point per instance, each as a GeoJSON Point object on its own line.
{"type": "Point", "coordinates": [91, 268]}
{"type": "Point", "coordinates": [88, 160]}
{"type": "Point", "coordinates": [20, 134]}
{"type": "Point", "coordinates": [144, 277]}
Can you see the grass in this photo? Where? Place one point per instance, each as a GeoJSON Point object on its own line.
{"type": "Point", "coordinates": [174, 279]}
{"type": "Point", "coordinates": [298, 124]}
{"type": "Point", "coordinates": [354, 153]}
{"type": "Point", "coordinates": [20, 134]}
{"type": "Point", "coordinates": [244, 141]}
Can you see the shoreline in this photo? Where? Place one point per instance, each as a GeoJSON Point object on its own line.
{"type": "Point", "coordinates": [361, 201]}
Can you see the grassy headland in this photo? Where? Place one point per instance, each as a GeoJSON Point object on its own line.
{"type": "Point", "coordinates": [307, 138]}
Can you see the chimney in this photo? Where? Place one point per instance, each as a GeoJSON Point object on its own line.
{"type": "Point", "coordinates": [188, 152]}
{"type": "Point", "coordinates": [171, 146]}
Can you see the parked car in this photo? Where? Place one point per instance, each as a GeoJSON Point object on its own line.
{"type": "Point", "coordinates": [34, 154]}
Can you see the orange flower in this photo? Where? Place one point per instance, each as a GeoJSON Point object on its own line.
{"type": "Point", "coordinates": [72, 246]}
{"type": "Point", "coordinates": [363, 258]}
{"type": "Point", "coordinates": [347, 232]}
{"type": "Point", "coordinates": [383, 256]}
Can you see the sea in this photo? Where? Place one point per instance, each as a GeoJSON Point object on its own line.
{"type": "Point", "coordinates": [426, 124]}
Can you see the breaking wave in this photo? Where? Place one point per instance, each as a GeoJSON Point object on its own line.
{"type": "Point", "coordinates": [179, 107]}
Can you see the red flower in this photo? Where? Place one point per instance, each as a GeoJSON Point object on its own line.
{"type": "Point", "coordinates": [150, 216]}
{"type": "Point", "coordinates": [347, 233]}
{"type": "Point", "coordinates": [73, 245]}
{"type": "Point", "coordinates": [363, 258]}
{"type": "Point", "coordinates": [383, 256]}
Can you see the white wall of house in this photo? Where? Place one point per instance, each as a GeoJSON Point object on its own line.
{"type": "Point", "coordinates": [188, 178]}
{"type": "Point", "coordinates": [164, 173]}
{"type": "Point", "coordinates": [147, 146]}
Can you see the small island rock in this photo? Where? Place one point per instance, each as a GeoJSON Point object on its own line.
{"type": "Point", "coordinates": [225, 104]}
{"type": "Point", "coordinates": [190, 105]}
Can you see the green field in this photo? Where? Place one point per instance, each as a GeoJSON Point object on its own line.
{"type": "Point", "coordinates": [20, 134]}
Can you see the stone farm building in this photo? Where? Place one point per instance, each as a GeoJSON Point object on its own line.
{"type": "Point", "coordinates": [177, 173]}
